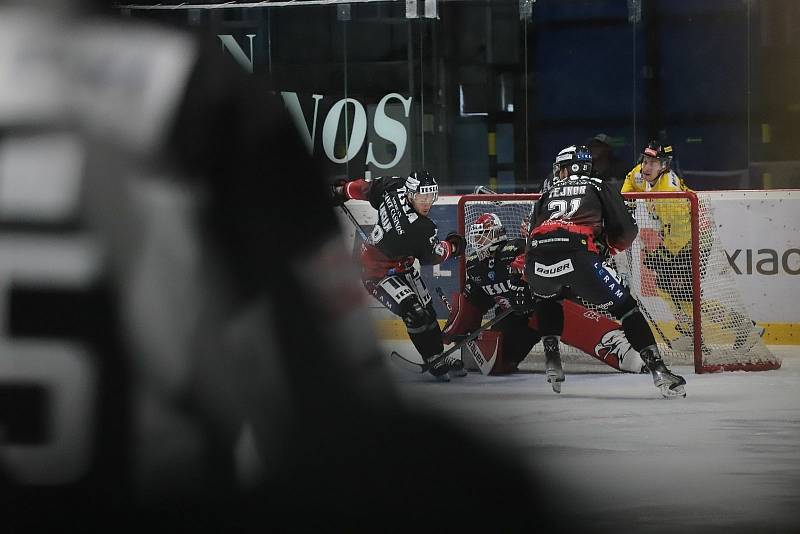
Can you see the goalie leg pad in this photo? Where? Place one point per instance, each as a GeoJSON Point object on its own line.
{"type": "Point", "coordinates": [464, 318]}
{"type": "Point", "coordinates": [487, 353]}
{"type": "Point", "coordinates": [518, 340]}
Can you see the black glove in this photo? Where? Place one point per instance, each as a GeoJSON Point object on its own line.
{"type": "Point", "coordinates": [457, 242]}
{"type": "Point", "coordinates": [521, 301]}
{"type": "Point", "coordinates": [338, 196]}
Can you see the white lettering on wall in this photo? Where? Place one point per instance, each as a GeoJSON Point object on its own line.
{"type": "Point", "coordinates": [384, 126]}
{"type": "Point", "coordinates": [292, 103]}
{"type": "Point", "coordinates": [331, 125]}
{"type": "Point", "coordinates": [230, 44]}
{"type": "Point", "coordinates": [390, 129]}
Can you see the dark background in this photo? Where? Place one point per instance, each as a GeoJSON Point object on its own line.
{"type": "Point", "coordinates": [718, 79]}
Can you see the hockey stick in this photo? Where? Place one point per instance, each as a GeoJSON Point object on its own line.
{"type": "Point", "coordinates": [353, 220]}
{"type": "Point", "coordinates": [444, 299]}
{"type": "Point", "coordinates": [425, 367]}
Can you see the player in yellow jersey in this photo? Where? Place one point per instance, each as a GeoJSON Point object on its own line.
{"type": "Point", "coordinates": [670, 260]}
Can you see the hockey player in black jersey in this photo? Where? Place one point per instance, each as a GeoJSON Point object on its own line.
{"type": "Point", "coordinates": [575, 222]}
{"type": "Point", "coordinates": [494, 279]}
{"type": "Point", "coordinates": [402, 234]}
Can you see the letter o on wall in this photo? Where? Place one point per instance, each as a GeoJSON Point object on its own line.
{"type": "Point", "coordinates": [785, 261]}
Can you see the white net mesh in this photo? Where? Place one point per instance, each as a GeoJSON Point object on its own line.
{"type": "Point", "coordinates": [658, 269]}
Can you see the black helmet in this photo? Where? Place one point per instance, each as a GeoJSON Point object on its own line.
{"type": "Point", "coordinates": [658, 150]}
{"type": "Point", "coordinates": [577, 159]}
{"type": "Point", "coordinates": [421, 182]}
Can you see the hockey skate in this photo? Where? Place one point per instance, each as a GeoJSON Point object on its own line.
{"type": "Point", "coordinates": [670, 384]}
{"type": "Point", "coordinates": [440, 369]}
{"type": "Point", "coordinates": [456, 366]}
{"type": "Point", "coordinates": [552, 365]}
{"type": "Point", "coordinates": [747, 339]}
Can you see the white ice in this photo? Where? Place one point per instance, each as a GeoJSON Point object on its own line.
{"type": "Point", "coordinates": [724, 459]}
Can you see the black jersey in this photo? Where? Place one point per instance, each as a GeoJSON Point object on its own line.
{"type": "Point", "coordinates": [401, 233]}
{"type": "Point", "coordinates": [581, 206]}
{"type": "Point", "coordinates": [491, 282]}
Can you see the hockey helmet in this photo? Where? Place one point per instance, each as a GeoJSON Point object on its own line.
{"type": "Point", "coordinates": [660, 151]}
{"type": "Point", "coordinates": [422, 183]}
{"type": "Point", "coordinates": [484, 232]}
{"type": "Point", "coordinates": [576, 159]}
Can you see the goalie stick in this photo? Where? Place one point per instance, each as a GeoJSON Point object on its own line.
{"type": "Point", "coordinates": [425, 367]}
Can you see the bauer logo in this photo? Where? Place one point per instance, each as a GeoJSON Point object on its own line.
{"type": "Point", "coordinates": [551, 271]}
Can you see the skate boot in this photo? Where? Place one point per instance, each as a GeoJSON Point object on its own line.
{"type": "Point", "coordinates": [456, 366]}
{"type": "Point", "coordinates": [552, 364]}
{"type": "Point", "coordinates": [440, 369]}
{"type": "Point", "coordinates": [670, 384]}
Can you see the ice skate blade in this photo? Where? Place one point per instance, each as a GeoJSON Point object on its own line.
{"type": "Point", "coordinates": [555, 378]}
{"type": "Point", "coordinates": [676, 392]}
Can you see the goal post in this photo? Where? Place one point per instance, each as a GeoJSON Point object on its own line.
{"type": "Point", "coordinates": [677, 270]}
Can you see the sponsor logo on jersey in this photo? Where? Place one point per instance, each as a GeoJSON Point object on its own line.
{"type": "Point", "coordinates": [551, 271]}
{"type": "Point", "coordinates": [509, 247]}
{"type": "Point", "coordinates": [491, 275]}
{"type": "Point", "coordinates": [550, 240]}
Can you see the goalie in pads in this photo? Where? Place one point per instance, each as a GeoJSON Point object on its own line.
{"type": "Point", "coordinates": [495, 281]}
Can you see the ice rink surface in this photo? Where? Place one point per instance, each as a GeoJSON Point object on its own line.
{"type": "Point", "coordinates": [724, 459]}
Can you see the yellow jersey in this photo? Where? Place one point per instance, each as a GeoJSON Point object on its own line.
{"type": "Point", "coordinates": [676, 230]}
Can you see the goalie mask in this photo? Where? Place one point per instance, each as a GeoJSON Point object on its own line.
{"type": "Point", "coordinates": [484, 232]}
{"type": "Point", "coordinates": [422, 191]}
{"type": "Point", "coordinates": [577, 160]}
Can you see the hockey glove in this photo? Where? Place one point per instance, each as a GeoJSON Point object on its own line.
{"type": "Point", "coordinates": [338, 195]}
{"type": "Point", "coordinates": [457, 243]}
{"type": "Point", "coordinates": [518, 265]}
{"type": "Point", "coordinates": [521, 301]}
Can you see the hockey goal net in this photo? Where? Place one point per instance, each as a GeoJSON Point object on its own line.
{"type": "Point", "coordinates": [677, 270]}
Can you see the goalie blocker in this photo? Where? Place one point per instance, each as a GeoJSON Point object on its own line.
{"type": "Point", "coordinates": [584, 329]}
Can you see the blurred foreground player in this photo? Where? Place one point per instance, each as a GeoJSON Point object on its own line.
{"type": "Point", "coordinates": [576, 217]}
{"type": "Point", "coordinates": [182, 171]}
{"type": "Point", "coordinates": [403, 234]}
